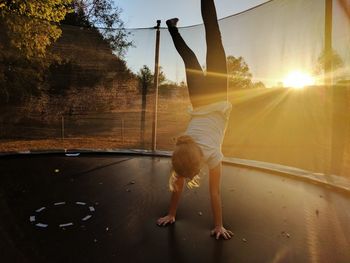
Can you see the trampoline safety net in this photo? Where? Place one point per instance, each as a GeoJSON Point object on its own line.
{"type": "Point", "coordinates": [92, 87]}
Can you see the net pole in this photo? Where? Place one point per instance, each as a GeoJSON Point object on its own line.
{"type": "Point", "coordinates": [328, 78]}
{"type": "Point", "coordinates": [328, 81]}
{"type": "Point", "coordinates": [156, 84]}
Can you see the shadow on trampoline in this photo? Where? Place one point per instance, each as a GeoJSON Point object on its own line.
{"type": "Point", "coordinates": [103, 208]}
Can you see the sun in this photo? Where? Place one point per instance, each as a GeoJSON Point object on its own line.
{"type": "Point", "coordinates": [298, 80]}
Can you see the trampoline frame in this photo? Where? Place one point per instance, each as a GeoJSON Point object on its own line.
{"type": "Point", "coordinates": [333, 182]}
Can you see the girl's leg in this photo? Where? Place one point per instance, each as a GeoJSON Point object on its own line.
{"type": "Point", "coordinates": [216, 83]}
{"type": "Point", "coordinates": [194, 72]}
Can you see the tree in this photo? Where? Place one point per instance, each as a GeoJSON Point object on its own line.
{"type": "Point", "coordinates": [335, 60]}
{"type": "Point", "coordinates": [96, 44]}
{"type": "Point", "coordinates": [146, 78]}
{"type": "Point", "coordinates": [238, 73]}
{"type": "Point", "coordinates": [88, 62]}
{"type": "Point", "coordinates": [104, 15]}
{"type": "Point", "coordinates": [27, 29]}
{"type": "Point", "coordinates": [259, 85]}
{"type": "Point", "coordinates": [146, 82]}
{"type": "Point", "coordinates": [30, 26]}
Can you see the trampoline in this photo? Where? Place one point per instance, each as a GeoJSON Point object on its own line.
{"type": "Point", "coordinates": [285, 185]}
{"type": "Point", "coordinates": [103, 206]}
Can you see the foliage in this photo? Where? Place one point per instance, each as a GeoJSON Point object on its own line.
{"type": "Point", "coordinates": [104, 15]}
{"type": "Point", "coordinates": [88, 62]}
{"type": "Point", "coordinates": [238, 73]}
{"type": "Point", "coordinates": [29, 26]}
{"type": "Point", "coordinates": [335, 60]}
{"type": "Point", "coordinates": [33, 51]}
{"type": "Point", "coordinates": [27, 29]}
{"type": "Point", "coordinates": [259, 85]}
{"type": "Point", "coordinates": [146, 78]}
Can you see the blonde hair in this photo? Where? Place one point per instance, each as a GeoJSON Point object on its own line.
{"type": "Point", "coordinates": [187, 160]}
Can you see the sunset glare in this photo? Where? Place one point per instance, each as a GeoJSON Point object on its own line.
{"type": "Point", "coordinates": [298, 80]}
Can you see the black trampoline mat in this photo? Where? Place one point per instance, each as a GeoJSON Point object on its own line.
{"type": "Point", "coordinates": [103, 208]}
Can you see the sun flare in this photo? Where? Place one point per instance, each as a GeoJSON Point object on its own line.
{"type": "Point", "coordinates": [298, 80]}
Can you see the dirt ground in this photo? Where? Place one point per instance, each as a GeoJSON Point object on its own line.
{"type": "Point", "coordinates": [298, 128]}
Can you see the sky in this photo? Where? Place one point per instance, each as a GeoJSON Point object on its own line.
{"type": "Point", "coordinates": [137, 14]}
{"type": "Point", "coordinates": [275, 40]}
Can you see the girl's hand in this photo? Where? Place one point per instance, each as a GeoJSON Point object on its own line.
{"type": "Point", "coordinates": [163, 221]}
{"type": "Point", "coordinates": [221, 231]}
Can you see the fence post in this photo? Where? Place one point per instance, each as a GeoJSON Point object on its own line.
{"type": "Point", "coordinates": [62, 127]}
{"type": "Point", "coordinates": [122, 130]}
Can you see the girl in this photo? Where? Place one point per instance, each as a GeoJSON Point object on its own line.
{"type": "Point", "coordinates": [204, 135]}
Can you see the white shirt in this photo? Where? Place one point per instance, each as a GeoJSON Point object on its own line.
{"type": "Point", "coordinates": [207, 128]}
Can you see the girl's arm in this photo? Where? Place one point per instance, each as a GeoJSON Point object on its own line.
{"type": "Point", "coordinates": [215, 197]}
{"type": "Point", "coordinates": [174, 201]}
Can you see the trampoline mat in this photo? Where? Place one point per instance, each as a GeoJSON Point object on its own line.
{"type": "Point", "coordinates": [103, 208]}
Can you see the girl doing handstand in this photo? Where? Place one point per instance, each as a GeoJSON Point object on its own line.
{"type": "Point", "coordinates": [201, 143]}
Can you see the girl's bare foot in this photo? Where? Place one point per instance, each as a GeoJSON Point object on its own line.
{"type": "Point", "coordinates": [172, 22]}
